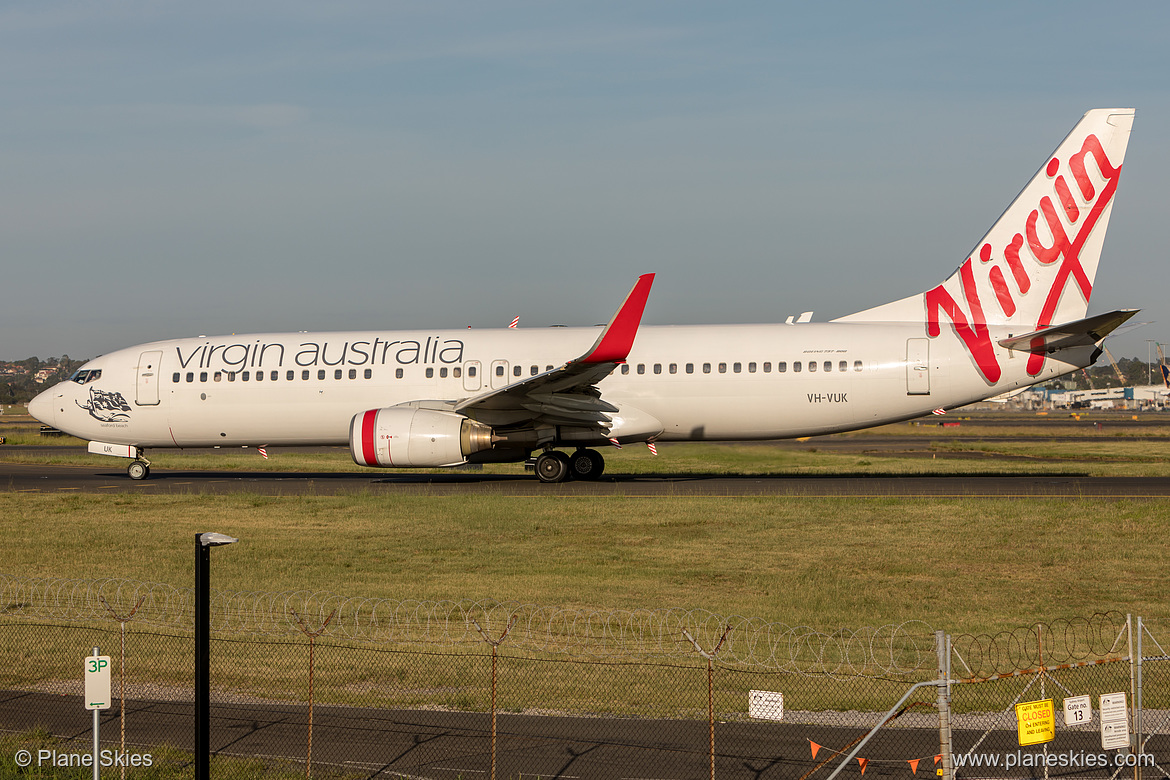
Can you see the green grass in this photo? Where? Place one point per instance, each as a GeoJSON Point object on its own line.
{"type": "Point", "coordinates": [967, 565]}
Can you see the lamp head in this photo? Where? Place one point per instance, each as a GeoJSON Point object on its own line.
{"type": "Point", "coordinates": [211, 539]}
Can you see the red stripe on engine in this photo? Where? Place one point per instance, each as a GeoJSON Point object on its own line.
{"type": "Point", "coordinates": [369, 449]}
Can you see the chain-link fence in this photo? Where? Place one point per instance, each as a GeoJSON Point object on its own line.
{"type": "Point", "coordinates": [317, 684]}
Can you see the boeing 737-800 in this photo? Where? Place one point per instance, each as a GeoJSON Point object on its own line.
{"type": "Point", "coordinates": [1013, 314]}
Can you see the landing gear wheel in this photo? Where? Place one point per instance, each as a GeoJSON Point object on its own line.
{"type": "Point", "coordinates": [138, 470]}
{"type": "Point", "coordinates": [586, 465]}
{"type": "Point", "coordinates": [552, 466]}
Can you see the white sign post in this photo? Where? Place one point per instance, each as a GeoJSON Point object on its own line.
{"type": "Point", "coordinates": [97, 698]}
{"type": "Point", "coordinates": [1114, 721]}
{"type": "Point", "coordinates": [766, 705]}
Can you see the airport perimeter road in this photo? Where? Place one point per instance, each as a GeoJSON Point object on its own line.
{"type": "Point", "coordinates": [25, 478]}
{"type": "Point", "coordinates": [435, 745]}
{"type": "Point", "coordinates": [446, 745]}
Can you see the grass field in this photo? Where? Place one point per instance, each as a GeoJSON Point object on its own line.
{"type": "Point", "coordinates": [966, 565]}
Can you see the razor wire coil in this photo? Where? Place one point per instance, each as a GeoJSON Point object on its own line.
{"type": "Point", "coordinates": [892, 650]}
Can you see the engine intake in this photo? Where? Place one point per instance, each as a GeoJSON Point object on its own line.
{"type": "Point", "coordinates": [406, 437]}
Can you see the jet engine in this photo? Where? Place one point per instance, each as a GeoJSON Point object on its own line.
{"type": "Point", "coordinates": [406, 437]}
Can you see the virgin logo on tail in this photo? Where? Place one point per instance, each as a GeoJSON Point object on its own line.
{"type": "Point", "coordinates": [1051, 249]}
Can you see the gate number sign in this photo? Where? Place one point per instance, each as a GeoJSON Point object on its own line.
{"type": "Point", "coordinates": [97, 682]}
{"type": "Point", "coordinates": [1078, 711]}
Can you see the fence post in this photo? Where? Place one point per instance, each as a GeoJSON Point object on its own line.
{"type": "Point", "coordinates": [122, 670]}
{"type": "Point", "coordinates": [1137, 706]}
{"type": "Point", "coordinates": [942, 646]}
{"type": "Point", "coordinates": [710, 687]}
{"type": "Point", "coordinates": [495, 643]}
{"type": "Point", "coordinates": [312, 635]}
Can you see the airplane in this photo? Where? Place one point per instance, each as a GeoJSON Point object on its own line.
{"type": "Point", "coordinates": [1013, 314]}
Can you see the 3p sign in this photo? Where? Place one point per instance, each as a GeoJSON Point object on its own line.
{"type": "Point", "coordinates": [97, 682]}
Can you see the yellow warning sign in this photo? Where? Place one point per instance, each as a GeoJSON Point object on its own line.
{"type": "Point", "coordinates": [1035, 722]}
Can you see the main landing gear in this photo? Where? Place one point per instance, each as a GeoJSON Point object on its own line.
{"type": "Point", "coordinates": [556, 466]}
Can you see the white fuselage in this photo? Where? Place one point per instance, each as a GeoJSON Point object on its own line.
{"type": "Point", "coordinates": [721, 382]}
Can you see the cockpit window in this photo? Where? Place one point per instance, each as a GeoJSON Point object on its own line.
{"type": "Point", "coordinates": [86, 375]}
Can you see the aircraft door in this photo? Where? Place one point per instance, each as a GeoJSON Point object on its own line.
{"type": "Point", "coordinates": [471, 378]}
{"type": "Point", "coordinates": [917, 366]}
{"type": "Point", "coordinates": [499, 374]}
{"type": "Point", "coordinates": [149, 371]}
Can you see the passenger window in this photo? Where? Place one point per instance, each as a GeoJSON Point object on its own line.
{"type": "Point", "coordinates": [231, 376]}
{"type": "Point", "coordinates": [515, 370]}
{"type": "Point", "coordinates": [175, 377]}
{"type": "Point", "coordinates": [548, 368]}
{"type": "Point", "coordinates": [370, 373]}
{"type": "Point", "coordinates": [533, 370]}
{"type": "Point", "coordinates": [398, 373]}
{"type": "Point", "coordinates": [455, 372]}
{"type": "Point", "coordinates": [244, 376]}
{"type": "Point", "coordinates": [722, 368]}
{"type": "Point", "coordinates": [767, 368]}
{"type": "Point", "coordinates": [690, 368]}
{"type": "Point", "coordinates": [751, 368]}
{"type": "Point", "coordinates": [217, 376]}
{"type": "Point", "coordinates": [843, 365]}
{"type": "Point", "coordinates": [812, 365]}
{"type": "Point", "coordinates": [290, 376]}
{"type": "Point", "coordinates": [442, 373]}
{"type": "Point", "coordinates": [499, 370]}
{"type": "Point", "coordinates": [641, 368]}
{"type": "Point", "coordinates": [657, 368]}
{"type": "Point", "coordinates": [706, 368]}
{"type": "Point", "coordinates": [828, 365]}
{"type": "Point", "coordinates": [856, 365]}
{"type": "Point", "coordinates": [275, 376]}
{"type": "Point", "coordinates": [470, 371]}
{"type": "Point", "coordinates": [625, 368]}
{"type": "Point", "coordinates": [674, 368]}
{"type": "Point", "coordinates": [321, 373]}
{"type": "Point", "coordinates": [305, 375]}
{"type": "Point", "coordinates": [737, 368]}
{"type": "Point", "coordinates": [337, 374]}
{"type": "Point", "coordinates": [353, 373]}
{"type": "Point", "coordinates": [202, 376]}
{"type": "Point", "coordinates": [259, 376]}
{"type": "Point", "coordinates": [430, 373]}
{"type": "Point", "coordinates": [796, 367]}
{"type": "Point", "coordinates": [781, 367]}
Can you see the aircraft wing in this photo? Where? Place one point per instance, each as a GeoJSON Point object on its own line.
{"type": "Point", "coordinates": [1081, 333]}
{"type": "Point", "coordinates": [567, 395]}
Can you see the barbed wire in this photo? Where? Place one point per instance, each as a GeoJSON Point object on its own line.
{"type": "Point", "coordinates": [1060, 642]}
{"type": "Point", "coordinates": [893, 650]}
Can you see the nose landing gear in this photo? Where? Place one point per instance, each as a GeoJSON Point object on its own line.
{"type": "Point", "coordinates": [138, 469]}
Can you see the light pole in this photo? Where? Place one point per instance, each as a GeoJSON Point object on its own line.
{"type": "Point", "coordinates": [203, 544]}
{"type": "Point", "coordinates": [1149, 362]}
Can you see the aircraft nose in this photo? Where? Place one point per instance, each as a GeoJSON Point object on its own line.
{"type": "Point", "coordinates": [43, 407]}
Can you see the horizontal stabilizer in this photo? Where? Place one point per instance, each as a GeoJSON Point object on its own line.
{"type": "Point", "coordinates": [1081, 333]}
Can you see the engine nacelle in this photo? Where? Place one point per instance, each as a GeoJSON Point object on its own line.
{"type": "Point", "coordinates": [406, 437]}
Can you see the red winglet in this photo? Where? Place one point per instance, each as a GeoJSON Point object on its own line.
{"type": "Point", "coordinates": [617, 339]}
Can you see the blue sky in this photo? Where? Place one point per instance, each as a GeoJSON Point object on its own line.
{"type": "Point", "coordinates": [173, 169]}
